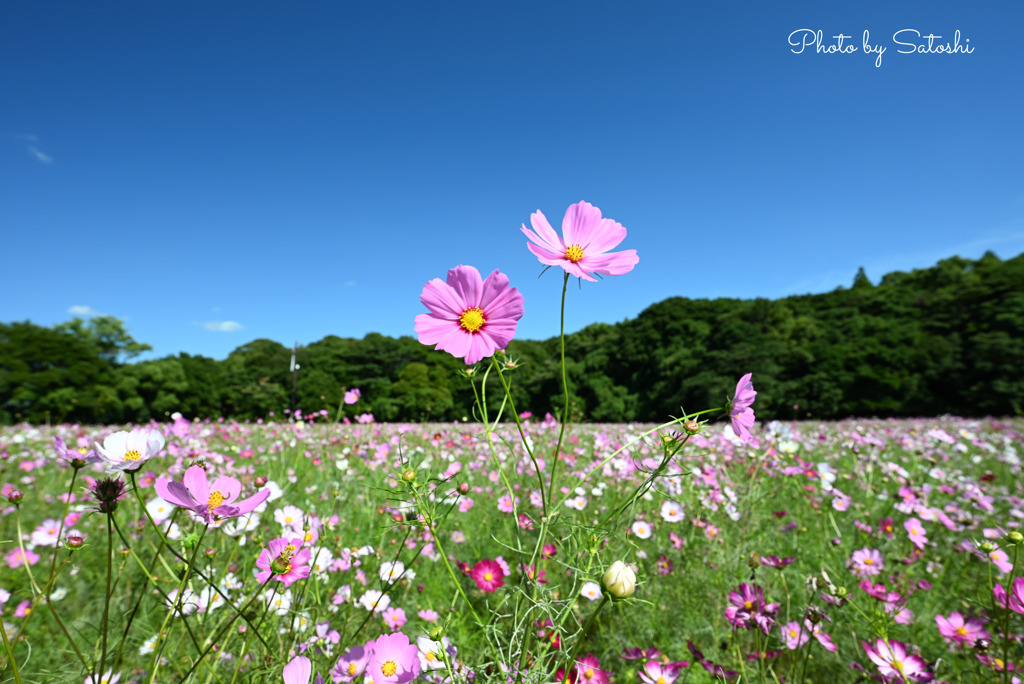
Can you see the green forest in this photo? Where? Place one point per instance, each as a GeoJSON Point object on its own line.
{"type": "Point", "coordinates": [942, 340]}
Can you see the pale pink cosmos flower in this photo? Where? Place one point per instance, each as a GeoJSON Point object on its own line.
{"type": "Point", "coordinates": [108, 677]}
{"type": "Point", "coordinates": [672, 511]}
{"type": "Point", "coordinates": [394, 618]}
{"type": "Point", "coordinates": [298, 671]}
{"type": "Point", "coordinates": [657, 672]}
{"type": "Point", "coordinates": [894, 662]}
{"type": "Point", "coordinates": [129, 450]}
{"type": "Point", "coordinates": [351, 664]}
{"type": "Point", "coordinates": [352, 396]}
{"type": "Point", "coordinates": [469, 318]}
{"type": "Point", "coordinates": [583, 248]}
{"type": "Point", "coordinates": [866, 562]}
{"type": "Point", "coordinates": [796, 635]}
{"type": "Point", "coordinates": [916, 532]}
{"type": "Point", "coordinates": [208, 501]}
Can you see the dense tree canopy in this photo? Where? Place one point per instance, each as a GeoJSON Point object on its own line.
{"type": "Point", "coordinates": [946, 339]}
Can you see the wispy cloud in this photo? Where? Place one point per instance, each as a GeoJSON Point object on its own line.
{"type": "Point", "coordinates": [41, 156]}
{"type": "Point", "coordinates": [222, 326]}
{"type": "Point", "coordinates": [82, 310]}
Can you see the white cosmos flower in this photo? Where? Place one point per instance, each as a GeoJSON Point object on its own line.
{"type": "Point", "coordinates": [129, 450]}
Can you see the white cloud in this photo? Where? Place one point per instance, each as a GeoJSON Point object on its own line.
{"type": "Point", "coordinates": [222, 326]}
{"type": "Point", "coordinates": [82, 310]}
{"type": "Point", "coordinates": [41, 156]}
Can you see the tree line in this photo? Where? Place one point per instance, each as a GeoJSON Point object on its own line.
{"type": "Point", "coordinates": [945, 339]}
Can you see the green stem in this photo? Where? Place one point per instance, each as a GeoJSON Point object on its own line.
{"type": "Point", "coordinates": [565, 392]}
{"type": "Point", "coordinates": [583, 632]}
{"type": "Point", "coordinates": [106, 603]}
{"type": "Point", "coordinates": [10, 653]}
{"type": "Point", "coordinates": [217, 637]}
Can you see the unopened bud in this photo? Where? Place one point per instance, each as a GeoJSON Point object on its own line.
{"type": "Point", "coordinates": [692, 427]}
{"type": "Point", "coordinates": [982, 645]}
{"type": "Point", "coordinates": [987, 547]}
{"type": "Point", "coordinates": [242, 629]}
{"type": "Point", "coordinates": [260, 481]}
{"type": "Point", "coordinates": [841, 592]}
{"type": "Point", "coordinates": [74, 542]}
{"type": "Point", "coordinates": [15, 496]}
{"type": "Point", "coordinates": [210, 552]}
{"type": "Point", "coordinates": [409, 475]}
{"type": "Point", "coordinates": [754, 561]}
{"type": "Point", "coordinates": [463, 488]}
{"type": "Point", "coordinates": [1015, 537]}
{"type": "Point", "coordinates": [437, 633]}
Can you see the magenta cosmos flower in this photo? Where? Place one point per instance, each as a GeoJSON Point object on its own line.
{"type": "Point", "coordinates": [469, 318]}
{"type": "Point", "coordinates": [284, 560]}
{"type": "Point", "coordinates": [959, 631]}
{"type": "Point", "coordinates": [740, 413]}
{"type": "Point", "coordinates": [393, 660]}
{"type": "Point", "coordinates": [583, 248]}
{"type": "Point", "coordinates": [205, 500]}
{"type": "Point", "coordinates": [488, 575]}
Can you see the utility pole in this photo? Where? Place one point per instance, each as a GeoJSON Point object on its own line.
{"type": "Point", "coordinates": [295, 375]}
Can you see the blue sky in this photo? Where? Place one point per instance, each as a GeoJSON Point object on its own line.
{"type": "Point", "coordinates": [219, 172]}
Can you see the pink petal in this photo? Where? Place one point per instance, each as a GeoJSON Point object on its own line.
{"type": "Point", "coordinates": [467, 283]}
{"type": "Point", "coordinates": [228, 486]}
{"type": "Point", "coordinates": [546, 235]}
{"type": "Point", "coordinates": [606, 236]}
{"type": "Point", "coordinates": [579, 223]}
{"type": "Point", "coordinates": [178, 496]}
{"type": "Point", "coordinates": [432, 329]}
{"type": "Point", "coordinates": [442, 299]}
{"type": "Point", "coordinates": [613, 263]}
{"type": "Point", "coordinates": [548, 258]}
{"type": "Point", "coordinates": [298, 671]}
{"type": "Point", "coordinates": [197, 484]}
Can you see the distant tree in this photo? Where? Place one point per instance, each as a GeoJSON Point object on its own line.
{"type": "Point", "coordinates": [107, 334]}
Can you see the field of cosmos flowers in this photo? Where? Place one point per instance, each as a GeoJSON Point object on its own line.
{"type": "Point", "coordinates": [515, 548]}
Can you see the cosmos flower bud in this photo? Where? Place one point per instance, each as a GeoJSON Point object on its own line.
{"type": "Point", "coordinates": [841, 592]}
{"type": "Point", "coordinates": [74, 542]}
{"type": "Point", "coordinates": [987, 547]}
{"type": "Point", "coordinates": [619, 580]}
{"type": "Point", "coordinates": [437, 633]}
{"type": "Point", "coordinates": [260, 481]}
{"type": "Point", "coordinates": [754, 561]}
{"type": "Point", "coordinates": [15, 496]}
{"type": "Point", "coordinates": [409, 475]}
{"type": "Point", "coordinates": [463, 488]}
{"type": "Point", "coordinates": [1014, 537]}
{"type": "Point", "coordinates": [692, 427]}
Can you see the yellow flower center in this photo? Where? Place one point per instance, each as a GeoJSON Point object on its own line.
{"type": "Point", "coordinates": [962, 631]}
{"type": "Point", "coordinates": [589, 674]}
{"type": "Point", "coordinates": [869, 561]}
{"type": "Point", "coordinates": [83, 450]}
{"type": "Point", "coordinates": [308, 537]}
{"type": "Point", "coordinates": [748, 605]}
{"type": "Point", "coordinates": [574, 253]}
{"type": "Point", "coordinates": [352, 669]}
{"type": "Point", "coordinates": [898, 666]}
{"type": "Point", "coordinates": [488, 577]}
{"type": "Point", "coordinates": [216, 499]}
{"type": "Point", "coordinates": [290, 549]}
{"type": "Point", "coordinates": [793, 634]}
{"type": "Point", "coordinates": [132, 455]}
{"type": "Point", "coordinates": [430, 656]}
{"type": "Point", "coordinates": [661, 680]}
{"type": "Point", "coordinates": [389, 668]}
{"type": "Point", "coordinates": [288, 520]}
{"type": "Point", "coordinates": [472, 319]}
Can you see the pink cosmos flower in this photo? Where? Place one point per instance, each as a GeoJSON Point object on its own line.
{"type": "Point", "coordinates": [76, 458]}
{"type": "Point", "coordinates": [959, 631]}
{"type": "Point", "coordinates": [488, 576]}
{"type": "Point", "coordinates": [299, 670]}
{"type": "Point", "coordinates": [393, 660]}
{"type": "Point", "coordinates": [895, 663]}
{"type": "Point", "coordinates": [740, 413]}
{"type": "Point", "coordinates": [916, 532]}
{"type": "Point", "coordinates": [428, 615]}
{"type": "Point", "coordinates": [583, 249]}
{"type": "Point", "coordinates": [866, 562]}
{"type": "Point", "coordinates": [208, 502]}
{"type": "Point", "coordinates": [796, 635]}
{"type": "Point", "coordinates": [284, 560]}
{"type": "Point", "coordinates": [352, 396]}
{"type": "Point", "coordinates": [15, 558]}
{"type": "Point", "coordinates": [749, 609]}
{"type": "Point", "coordinates": [469, 318]}
{"type": "Point", "coordinates": [351, 664]}
{"type": "Point", "coordinates": [1015, 601]}
{"type": "Point", "coordinates": [394, 618]}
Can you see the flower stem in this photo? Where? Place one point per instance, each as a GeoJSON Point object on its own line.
{"type": "Point", "coordinates": [10, 653]}
{"type": "Point", "coordinates": [106, 603]}
{"type": "Point", "coordinates": [161, 640]}
{"type": "Point", "coordinates": [565, 392]}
